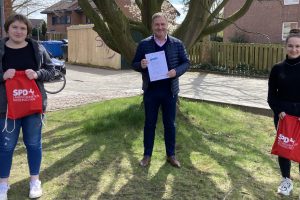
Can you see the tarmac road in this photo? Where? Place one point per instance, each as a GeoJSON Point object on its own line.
{"type": "Point", "coordinates": [87, 85]}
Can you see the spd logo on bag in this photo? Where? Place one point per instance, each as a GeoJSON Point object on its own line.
{"type": "Point", "coordinates": [24, 95]}
{"type": "Point", "coordinates": [287, 140]}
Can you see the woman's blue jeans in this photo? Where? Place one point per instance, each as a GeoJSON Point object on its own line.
{"type": "Point", "coordinates": [32, 131]}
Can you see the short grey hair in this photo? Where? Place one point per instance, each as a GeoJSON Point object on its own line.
{"type": "Point", "coordinates": [158, 14]}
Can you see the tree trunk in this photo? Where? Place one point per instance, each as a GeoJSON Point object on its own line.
{"type": "Point", "coordinates": [116, 29]}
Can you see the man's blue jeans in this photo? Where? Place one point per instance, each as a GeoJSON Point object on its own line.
{"type": "Point", "coordinates": [32, 130]}
{"type": "Point", "coordinates": [153, 99]}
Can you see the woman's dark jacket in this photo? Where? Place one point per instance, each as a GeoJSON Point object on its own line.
{"type": "Point", "coordinates": [45, 72]}
{"type": "Point", "coordinates": [284, 87]}
{"type": "Point", "coordinates": [176, 55]}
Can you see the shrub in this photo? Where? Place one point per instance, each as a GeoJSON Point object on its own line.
{"type": "Point", "coordinates": [239, 38]}
{"type": "Point", "coordinates": [239, 70]}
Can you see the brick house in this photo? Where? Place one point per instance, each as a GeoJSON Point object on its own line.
{"type": "Point", "coordinates": [63, 14]}
{"type": "Point", "coordinates": [266, 17]}
{"type": "Point", "coordinates": [67, 12]}
{"type": "Point", "coordinates": [7, 11]}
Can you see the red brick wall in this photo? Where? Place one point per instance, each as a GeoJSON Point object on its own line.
{"type": "Point", "coordinates": [62, 28]}
{"type": "Point", "coordinates": [77, 18]}
{"type": "Point", "coordinates": [56, 27]}
{"type": "Point", "coordinates": [7, 8]}
{"type": "Point", "coordinates": [265, 17]}
{"type": "Point", "coordinates": [7, 11]}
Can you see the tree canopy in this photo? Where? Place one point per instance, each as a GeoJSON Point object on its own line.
{"type": "Point", "coordinates": [116, 29]}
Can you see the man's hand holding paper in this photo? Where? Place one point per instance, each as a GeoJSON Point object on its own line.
{"type": "Point", "coordinates": [157, 66]}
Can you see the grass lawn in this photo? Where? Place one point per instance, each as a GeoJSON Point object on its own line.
{"type": "Point", "coordinates": [92, 152]}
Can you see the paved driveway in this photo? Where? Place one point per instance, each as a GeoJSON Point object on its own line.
{"type": "Point", "coordinates": [249, 92]}
{"type": "Point", "coordinates": [86, 85]}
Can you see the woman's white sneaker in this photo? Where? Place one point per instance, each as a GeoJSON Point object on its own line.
{"type": "Point", "coordinates": [285, 187]}
{"type": "Point", "coordinates": [3, 191]}
{"type": "Point", "coordinates": [35, 189]}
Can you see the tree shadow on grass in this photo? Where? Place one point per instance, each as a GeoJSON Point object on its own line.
{"type": "Point", "coordinates": [243, 182]}
{"type": "Point", "coordinates": [105, 166]}
{"type": "Point", "coordinates": [58, 168]}
{"type": "Point", "coordinates": [97, 131]}
{"type": "Point", "coordinates": [66, 140]}
{"type": "Point", "coordinates": [138, 184]}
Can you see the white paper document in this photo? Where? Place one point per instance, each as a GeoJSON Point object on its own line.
{"type": "Point", "coordinates": [157, 65]}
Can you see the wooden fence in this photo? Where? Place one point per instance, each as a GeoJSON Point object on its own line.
{"type": "Point", "coordinates": [260, 56]}
{"type": "Point", "coordinates": [86, 47]}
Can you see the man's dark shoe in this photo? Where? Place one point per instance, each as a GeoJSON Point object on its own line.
{"type": "Point", "coordinates": [173, 161]}
{"type": "Point", "coordinates": [145, 161]}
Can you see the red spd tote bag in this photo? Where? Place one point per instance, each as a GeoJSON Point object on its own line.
{"type": "Point", "coordinates": [287, 142]}
{"type": "Point", "coordinates": [23, 96]}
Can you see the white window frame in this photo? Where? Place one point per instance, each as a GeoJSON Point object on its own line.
{"type": "Point", "coordinates": [291, 2]}
{"type": "Point", "coordinates": [286, 27]}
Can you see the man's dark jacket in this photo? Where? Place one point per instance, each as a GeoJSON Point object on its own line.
{"type": "Point", "coordinates": [176, 55]}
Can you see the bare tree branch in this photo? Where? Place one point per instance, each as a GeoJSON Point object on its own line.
{"type": "Point", "coordinates": [139, 27]}
{"type": "Point", "coordinates": [29, 7]}
{"type": "Point", "coordinates": [148, 8]}
{"type": "Point", "coordinates": [216, 11]}
{"type": "Point", "coordinates": [118, 26]}
{"type": "Point", "coordinates": [138, 3]}
{"type": "Point", "coordinates": [116, 29]}
{"type": "Point", "coordinates": [99, 25]}
{"type": "Point", "coordinates": [223, 24]}
{"type": "Point", "coordinates": [194, 22]}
